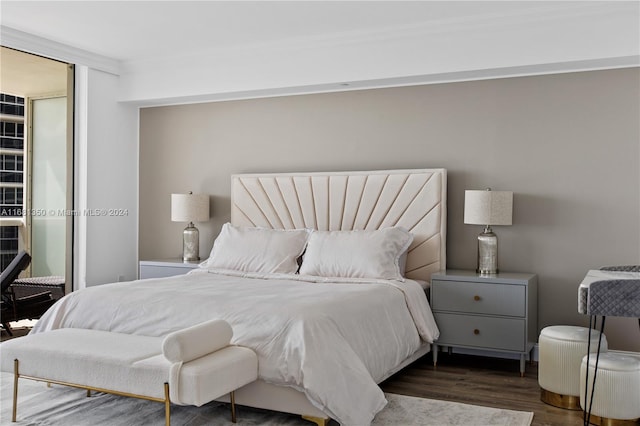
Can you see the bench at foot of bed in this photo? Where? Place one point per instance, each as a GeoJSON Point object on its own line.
{"type": "Point", "coordinates": [188, 367]}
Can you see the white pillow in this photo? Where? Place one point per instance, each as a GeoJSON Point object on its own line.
{"type": "Point", "coordinates": [356, 254]}
{"type": "Point", "coordinates": [258, 249]}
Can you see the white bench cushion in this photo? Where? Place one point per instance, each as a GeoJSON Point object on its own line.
{"type": "Point", "coordinates": [94, 358]}
{"type": "Point", "coordinates": [128, 363]}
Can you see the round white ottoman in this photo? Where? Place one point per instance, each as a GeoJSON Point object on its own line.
{"type": "Point", "coordinates": [562, 348]}
{"type": "Point", "coordinates": [616, 399]}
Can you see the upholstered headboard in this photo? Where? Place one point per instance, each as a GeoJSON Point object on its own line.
{"type": "Point", "coordinates": [413, 199]}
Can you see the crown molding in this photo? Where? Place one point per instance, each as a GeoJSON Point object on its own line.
{"type": "Point", "coordinates": [415, 80]}
{"type": "Point", "coordinates": [36, 45]}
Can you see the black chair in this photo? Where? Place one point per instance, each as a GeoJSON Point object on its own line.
{"type": "Point", "coordinates": [19, 308]}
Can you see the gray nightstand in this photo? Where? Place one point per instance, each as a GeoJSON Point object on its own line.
{"type": "Point", "coordinates": [489, 312]}
{"type": "Point", "coordinates": [165, 268]}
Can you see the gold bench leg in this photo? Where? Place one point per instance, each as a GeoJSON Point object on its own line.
{"type": "Point", "coordinates": [320, 421]}
{"type": "Point", "coordinates": [232, 396]}
{"type": "Point", "coordinates": [16, 374]}
{"type": "Point", "coordinates": [167, 405]}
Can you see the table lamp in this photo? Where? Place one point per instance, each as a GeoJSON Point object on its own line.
{"type": "Point", "coordinates": [488, 208]}
{"type": "Point", "coordinates": [190, 208]}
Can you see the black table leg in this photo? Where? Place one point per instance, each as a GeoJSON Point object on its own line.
{"type": "Point", "coordinates": [587, 411]}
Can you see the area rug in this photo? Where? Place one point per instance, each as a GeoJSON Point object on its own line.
{"type": "Point", "coordinates": [39, 405]}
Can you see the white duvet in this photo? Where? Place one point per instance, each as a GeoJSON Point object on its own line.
{"type": "Point", "coordinates": [332, 341]}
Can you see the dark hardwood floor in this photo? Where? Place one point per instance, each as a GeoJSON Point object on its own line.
{"type": "Point", "coordinates": [490, 382]}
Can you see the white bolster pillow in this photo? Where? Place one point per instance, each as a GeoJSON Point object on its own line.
{"type": "Point", "coordinates": [196, 341]}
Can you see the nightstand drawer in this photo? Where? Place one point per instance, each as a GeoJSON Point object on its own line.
{"type": "Point", "coordinates": [479, 298]}
{"type": "Point", "coordinates": [481, 332]}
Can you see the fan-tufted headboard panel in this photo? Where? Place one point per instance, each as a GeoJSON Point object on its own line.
{"type": "Point", "coordinates": [413, 199]}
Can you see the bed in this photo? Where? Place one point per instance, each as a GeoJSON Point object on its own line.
{"type": "Point", "coordinates": [327, 335]}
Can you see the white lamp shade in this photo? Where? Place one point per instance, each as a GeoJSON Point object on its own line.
{"type": "Point", "coordinates": [488, 207]}
{"type": "Point", "coordinates": [189, 207]}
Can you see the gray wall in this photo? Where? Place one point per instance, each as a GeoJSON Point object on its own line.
{"type": "Point", "coordinates": [567, 145]}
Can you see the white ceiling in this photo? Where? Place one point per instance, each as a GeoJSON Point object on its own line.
{"type": "Point", "coordinates": [127, 30]}
{"type": "Point", "coordinates": [179, 51]}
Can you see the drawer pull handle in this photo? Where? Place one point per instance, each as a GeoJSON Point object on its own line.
{"type": "Point", "coordinates": [476, 331]}
{"type": "Point", "coordinates": [476, 298]}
